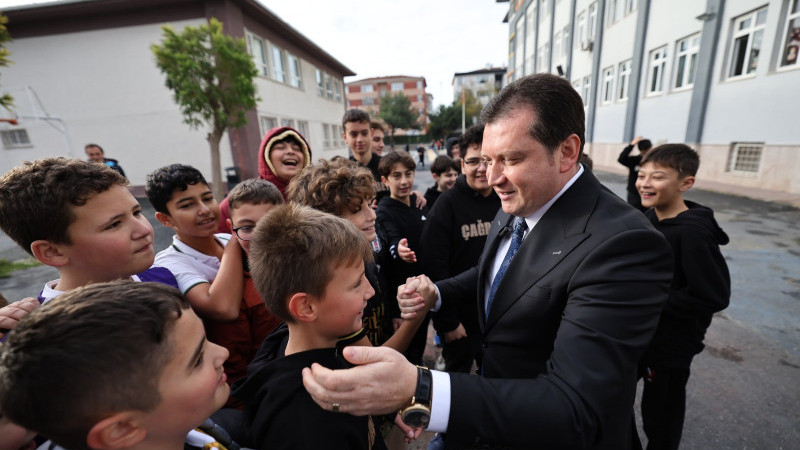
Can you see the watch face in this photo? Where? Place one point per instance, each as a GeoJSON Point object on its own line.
{"type": "Point", "coordinates": [417, 416]}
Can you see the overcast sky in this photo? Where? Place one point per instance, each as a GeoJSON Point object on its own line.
{"type": "Point", "coordinates": [429, 38]}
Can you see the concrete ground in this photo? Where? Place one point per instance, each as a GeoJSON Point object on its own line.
{"type": "Point", "coordinates": [744, 391]}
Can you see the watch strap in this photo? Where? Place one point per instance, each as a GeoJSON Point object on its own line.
{"type": "Point", "coordinates": [424, 392]}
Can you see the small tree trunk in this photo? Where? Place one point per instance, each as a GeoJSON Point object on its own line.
{"type": "Point", "coordinates": [216, 170]}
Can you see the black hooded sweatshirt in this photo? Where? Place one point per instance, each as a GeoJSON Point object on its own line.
{"type": "Point", "coordinates": [279, 412]}
{"type": "Point", "coordinates": [701, 285]}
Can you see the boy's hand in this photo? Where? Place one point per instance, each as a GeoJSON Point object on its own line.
{"type": "Point", "coordinates": [418, 294]}
{"type": "Point", "coordinates": [10, 315]}
{"type": "Point", "coordinates": [405, 253]}
{"type": "Point", "coordinates": [636, 140]}
{"type": "Point", "coordinates": [421, 201]}
{"type": "Point", "coordinates": [410, 434]}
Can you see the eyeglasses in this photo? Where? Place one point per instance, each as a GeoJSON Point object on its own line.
{"type": "Point", "coordinates": [244, 233]}
{"type": "Point", "coordinates": [475, 162]}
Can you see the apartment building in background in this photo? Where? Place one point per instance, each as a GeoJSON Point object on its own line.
{"type": "Point", "coordinates": [721, 76]}
{"type": "Point", "coordinates": [366, 94]}
{"type": "Point", "coordinates": [484, 83]}
{"type": "Point", "coordinates": [83, 72]}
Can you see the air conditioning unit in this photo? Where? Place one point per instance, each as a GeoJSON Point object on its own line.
{"type": "Point", "coordinates": [587, 45]}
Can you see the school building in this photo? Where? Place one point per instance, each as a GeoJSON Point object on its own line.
{"type": "Point", "coordinates": [83, 72]}
{"type": "Point", "coordinates": [721, 76]}
{"type": "Point", "coordinates": [483, 83]}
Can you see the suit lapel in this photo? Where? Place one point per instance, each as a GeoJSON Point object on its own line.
{"type": "Point", "coordinates": [556, 235]}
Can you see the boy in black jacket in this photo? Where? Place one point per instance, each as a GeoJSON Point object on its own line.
{"type": "Point", "coordinates": [400, 227]}
{"type": "Point", "coordinates": [444, 171]}
{"type": "Point", "coordinates": [452, 242]}
{"type": "Point", "coordinates": [701, 286]}
{"type": "Point", "coordinates": [308, 266]}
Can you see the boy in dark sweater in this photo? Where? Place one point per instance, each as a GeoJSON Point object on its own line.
{"type": "Point", "coordinates": [444, 171]}
{"type": "Point", "coordinates": [308, 266]}
{"type": "Point", "coordinates": [701, 286]}
{"type": "Point", "coordinates": [452, 242]}
{"type": "Point", "coordinates": [400, 227]}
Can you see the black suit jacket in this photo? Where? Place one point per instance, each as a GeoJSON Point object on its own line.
{"type": "Point", "coordinates": [573, 314]}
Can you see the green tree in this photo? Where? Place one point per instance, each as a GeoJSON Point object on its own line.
{"type": "Point", "coordinates": [211, 76]}
{"type": "Point", "coordinates": [6, 101]}
{"type": "Point", "coordinates": [397, 112]}
{"type": "Point", "coordinates": [444, 121]}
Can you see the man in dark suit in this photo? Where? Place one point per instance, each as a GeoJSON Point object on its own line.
{"type": "Point", "coordinates": [569, 288]}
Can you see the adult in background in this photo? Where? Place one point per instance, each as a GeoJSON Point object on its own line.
{"type": "Point", "coordinates": [569, 291]}
{"type": "Point", "coordinates": [632, 163]}
{"type": "Point", "coordinates": [96, 154]}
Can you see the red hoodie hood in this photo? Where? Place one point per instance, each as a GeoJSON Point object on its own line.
{"type": "Point", "coordinates": [265, 169]}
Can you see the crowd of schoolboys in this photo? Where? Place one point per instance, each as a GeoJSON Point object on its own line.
{"type": "Point", "coordinates": [136, 349]}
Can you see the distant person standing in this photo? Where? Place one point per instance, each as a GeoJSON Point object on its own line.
{"type": "Point", "coordinates": [421, 153]}
{"type": "Point", "coordinates": [632, 163]}
{"type": "Point", "coordinates": [96, 154]}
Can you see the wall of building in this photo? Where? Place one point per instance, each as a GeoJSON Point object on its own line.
{"type": "Point", "coordinates": [105, 86]}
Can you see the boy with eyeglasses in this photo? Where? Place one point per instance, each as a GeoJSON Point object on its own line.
{"type": "Point", "coordinates": [249, 201]}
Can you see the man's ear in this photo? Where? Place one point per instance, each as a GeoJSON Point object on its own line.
{"type": "Point", "coordinates": [570, 152]}
{"type": "Point", "coordinates": [164, 218]}
{"type": "Point", "coordinates": [49, 253]}
{"type": "Point", "coordinates": [122, 430]}
{"type": "Point", "coordinates": [302, 307]}
{"type": "Point", "coordinates": [686, 183]}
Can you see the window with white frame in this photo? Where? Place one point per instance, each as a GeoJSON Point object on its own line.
{"type": "Point", "coordinates": [580, 23]}
{"type": "Point", "coordinates": [278, 71]}
{"type": "Point", "coordinates": [614, 11]}
{"type": "Point", "coordinates": [397, 86]}
{"type": "Point", "coordinates": [587, 89]}
{"type": "Point", "coordinates": [257, 46]}
{"type": "Point", "coordinates": [519, 48]}
{"type": "Point", "coordinates": [748, 34]}
{"type": "Point", "coordinates": [530, 35]}
{"type": "Point", "coordinates": [337, 90]}
{"type": "Point", "coordinates": [320, 84]}
{"type": "Point", "coordinates": [328, 86]}
{"type": "Point", "coordinates": [591, 26]}
{"type": "Point", "coordinates": [745, 158]}
{"type": "Point", "coordinates": [542, 64]}
{"type": "Point", "coordinates": [367, 88]}
{"type": "Point", "coordinates": [17, 138]}
{"type": "Point", "coordinates": [686, 60]}
{"type": "Point", "coordinates": [791, 44]}
{"type": "Point", "coordinates": [287, 123]}
{"type": "Point", "coordinates": [564, 41]}
{"type": "Point", "coordinates": [544, 14]}
{"type": "Point", "coordinates": [326, 133]}
{"type": "Point", "coordinates": [419, 84]}
{"type": "Point", "coordinates": [608, 84]}
{"type": "Point", "coordinates": [295, 77]}
{"type": "Point", "coordinates": [658, 64]}
{"type": "Point", "coordinates": [624, 80]}
{"type": "Point", "coordinates": [557, 45]}
{"type": "Point", "coordinates": [302, 127]}
{"type": "Point", "coordinates": [368, 101]}
{"type": "Point", "coordinates": [268, 123]}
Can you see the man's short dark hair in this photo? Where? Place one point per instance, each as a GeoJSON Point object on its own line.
{"type": "Point", "coordinates": [37, 197]}
{"type": "Point", "coordinates": [92, 352]}
{"type": "Point", "coordinates": [473, 136]}
{"type": "Point", "coordinates": [390, 159]}
{"type": "Point", "coordinates": [680, 157]}
{"type": "Point", "coordinates": [442, 164]}
{"type": "Point", "coordinates": [557, 107]}
{"type": "Point", "coordinates": [254, 191]}
{"type": "Point", "coordinates": [162, 183]}
{"type": "Point", "coordinates": [355, 115]}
